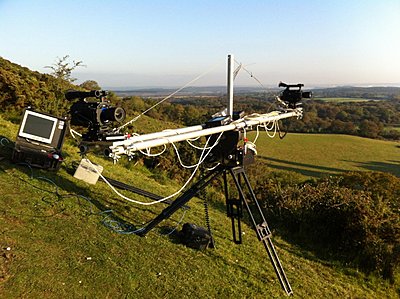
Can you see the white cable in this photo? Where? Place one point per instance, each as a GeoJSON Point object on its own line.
{"type": "Point", "coordinates": [148, 150]}
{"type": "Point", "coordinates": [194, 139]}
{"type": "Point", "coordinates": [272, 127]}
{"type": "Point", "coordinates": [201, 159]}
{"type": "Point", "coordinates": [265, 125]}
{"type": "Point", "coordinates": [204, 148]}
{"type": "Point", "coordinates": [194, 146]}
{"type": "Point", "coordinates": [179, 158]}
{"type": "Point", "coordinates": [257, 134]}
{"type": "Point", "coordinates": [212, 168]}
{"type": "Point", "coordinates": [72, 132]}
{"type": "Point", "coordinates": [244, 133]}
{"type": "Point", "coordinates": [149, 154]}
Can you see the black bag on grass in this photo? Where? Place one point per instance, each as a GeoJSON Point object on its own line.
{"type": "Point", "coordinates": [195, 237]}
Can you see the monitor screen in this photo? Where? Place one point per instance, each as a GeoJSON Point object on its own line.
{"type": "Point", "coordinates": [38, 127]}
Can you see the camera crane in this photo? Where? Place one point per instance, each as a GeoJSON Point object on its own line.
{"type": "Point", "coordinates": [226, 132]}
{"type": "Point", "coordinates": [290, 98]}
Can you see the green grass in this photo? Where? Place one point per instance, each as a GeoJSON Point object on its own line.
{"type": "Point", "coordinates": [397, 128]}
{"type": "Point", "coordinates": [60, 249]}
{"type": "Point", "coordinates": [316, 155]}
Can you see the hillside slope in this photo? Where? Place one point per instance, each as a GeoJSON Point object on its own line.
{"type": "Point", "coordinates": [20, 87]}
{"type": "Point", "coordinates": [63, 238]}
{"type": "Point", "coordinates": [54, 243]}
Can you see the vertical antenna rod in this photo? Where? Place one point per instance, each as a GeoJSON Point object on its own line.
{"type": "Point", "coordinates": [231, 61]}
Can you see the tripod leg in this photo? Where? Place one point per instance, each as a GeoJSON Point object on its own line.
{"type": "Point", "coordinates": [234, 210]}
{"type": "Point", "coordinates": [262, 229]}
{"type": "Point", "coordinates": [181, 200]}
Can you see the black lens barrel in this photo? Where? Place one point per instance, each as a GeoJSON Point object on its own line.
{"type": "Point", "coordinates": [112, 114]}
{"type": "Point", "coordinates": [307, 94]}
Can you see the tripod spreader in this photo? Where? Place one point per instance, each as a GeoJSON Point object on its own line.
{"type": "Point", "coordinates": [235, 212]}
{"type": "Point", "coordinates": [182, 200]}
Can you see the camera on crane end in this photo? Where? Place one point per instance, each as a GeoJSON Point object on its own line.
{"type": "Point", "coordinates": [292, 94]}
{"type": "Point", "coordinates": [98, 116]}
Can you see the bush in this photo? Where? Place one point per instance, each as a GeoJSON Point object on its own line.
{"type": "Point", "coordinates": [356, 217]}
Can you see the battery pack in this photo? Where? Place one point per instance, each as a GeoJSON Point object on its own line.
{"type": "Point", "coordinates": [87, 173]}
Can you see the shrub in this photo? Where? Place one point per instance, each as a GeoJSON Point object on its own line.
{"type": "Point", "coordinates": [356, 217]}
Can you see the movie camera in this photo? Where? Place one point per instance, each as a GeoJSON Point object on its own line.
{"type": "Point", "coordinates": [40, 139]}
{"type": "Point", "coordinates": [292, 95]}
{"type": "Point", "coordinates": [98, 116]}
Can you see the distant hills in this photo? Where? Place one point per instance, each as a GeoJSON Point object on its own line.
{"type": "Point", "coordinates": [20, 87]}
{"type": "Point", "coordinates": [193, 90]}
{"type": "Point", "coordinates": [376, 92]}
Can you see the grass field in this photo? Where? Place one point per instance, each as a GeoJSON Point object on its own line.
{"type": "Point", "coordinates": [316, 155]}
{"type": "Point", "coordinates": [54, 244]}
{"type": "Point", "coordinates": [397, 128]}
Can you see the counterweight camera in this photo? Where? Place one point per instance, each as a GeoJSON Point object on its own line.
{"type": "Point", "coordinates": [292, 94]}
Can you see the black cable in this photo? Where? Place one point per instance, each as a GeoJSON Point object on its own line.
{"type": "Point", "coordinates": [281, 136]}
{"type": "Point", "coordinates": [207, 219]}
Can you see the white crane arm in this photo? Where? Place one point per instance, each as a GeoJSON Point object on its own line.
{"type": "Point", "coordinates": [147, 141]}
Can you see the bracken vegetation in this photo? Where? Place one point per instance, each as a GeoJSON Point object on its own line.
{"type": "Point", "coordinates": [21, 87]}
{"type": "Point", "coordinates": [354, 217]}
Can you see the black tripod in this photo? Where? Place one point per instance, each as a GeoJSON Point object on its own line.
{"type": "Point", "coordinates": [232, 164]}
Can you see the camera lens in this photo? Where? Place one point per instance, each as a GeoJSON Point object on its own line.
{"type": "Point", "coordinates": [119, 114]}
{"type": "Point", "coordinates": [112, 114]}
{"type": "Point", "coordinates": [307, 94]}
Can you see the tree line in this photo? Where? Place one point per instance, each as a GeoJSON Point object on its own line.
{"type": "Point", "coordinates": [21, 87]}
{"type": "Point", "coordinates": [372, 119]}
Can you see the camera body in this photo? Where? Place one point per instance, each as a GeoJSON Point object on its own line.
{"type": "Point", "coordinates": [98, 116]}
{"type": "Point", "coordinates": [292, 94]}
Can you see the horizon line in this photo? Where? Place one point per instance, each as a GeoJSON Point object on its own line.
{"type": "Point", "coordinates": [311, 86]}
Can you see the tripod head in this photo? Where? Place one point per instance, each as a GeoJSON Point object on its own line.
{"type": "Point", "coordinates": [229, 152]}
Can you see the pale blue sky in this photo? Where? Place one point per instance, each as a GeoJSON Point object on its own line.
{"type": "Point", "coordinates": [167, 43]}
